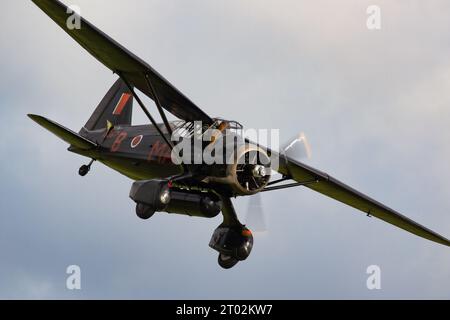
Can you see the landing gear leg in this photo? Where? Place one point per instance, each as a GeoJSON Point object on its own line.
{"type": "Point", "coordinates": [230, 218]}
{"type": "Point", "coordinates": [84, 169]}
{"type": "Point", "coordinates": [231, 239]}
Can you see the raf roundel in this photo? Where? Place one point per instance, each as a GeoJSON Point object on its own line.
{"type": "Point", "coordinates": [136, 141]}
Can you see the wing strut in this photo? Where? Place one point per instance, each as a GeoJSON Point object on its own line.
{"type": "Point", "coordinates": [288, 185]}
{"type": "Point", "coordinates": [158, 103]}
{"type": "Point", "coordinates": [147, 113]}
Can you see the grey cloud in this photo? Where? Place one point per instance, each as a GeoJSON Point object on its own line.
{"type": "Point", "coordinates": [374, 105]}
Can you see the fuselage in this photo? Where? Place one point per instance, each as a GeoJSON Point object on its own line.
{"type": "Point", "coordinates": [138, 152]}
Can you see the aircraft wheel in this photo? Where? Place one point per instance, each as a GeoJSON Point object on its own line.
{"type": "Point", "coordinates": [227, 262]}
{"type": "Point", "coordinates": [84, 170]}
{"type": "Point", "coordinates": [144, 212]}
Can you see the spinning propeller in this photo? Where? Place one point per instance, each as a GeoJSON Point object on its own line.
{"type": "Point", "coordinates": [298, 148]}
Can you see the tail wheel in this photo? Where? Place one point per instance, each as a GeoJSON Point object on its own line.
{"type": "Point", "coordinates": [84, 170]}
{"type": "Point", "coordinates": [144, 212]}
{"type": "Point", "coordinates": [227, 262]}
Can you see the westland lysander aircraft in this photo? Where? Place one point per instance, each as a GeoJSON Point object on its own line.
{"type": "Point", "coordinates": [143, 153]}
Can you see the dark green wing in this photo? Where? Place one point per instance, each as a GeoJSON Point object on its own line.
{"type": "Point", "coordinates": [333, 188]}
{"type": "Point", "coordinates": [120, 60]}
{"type": "Point", "coordinates": [63, 133]}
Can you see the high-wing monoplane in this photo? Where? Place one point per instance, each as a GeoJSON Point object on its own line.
{"type": "Point", "coordinates": [168, 178]}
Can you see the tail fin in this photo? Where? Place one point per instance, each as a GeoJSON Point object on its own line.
{"type": "Point", "coordinates": [116, 107]}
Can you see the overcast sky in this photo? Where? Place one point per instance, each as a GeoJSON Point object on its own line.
{"type": "Point", "coordinates": [375, 105]}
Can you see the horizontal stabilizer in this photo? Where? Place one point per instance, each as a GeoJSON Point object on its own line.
{"type": "Point", "coordinates": [72, 138]}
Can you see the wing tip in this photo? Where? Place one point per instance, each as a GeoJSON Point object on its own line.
{"type": "Point", "coordinates": [36, 118]}
{"type": "Point", "coordinates": [33, 117]}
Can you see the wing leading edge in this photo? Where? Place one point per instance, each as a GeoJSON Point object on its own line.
{"type": "Point", "coordinates": [120, 60]}
{"type": "Point", "coordinates": [333, 188]}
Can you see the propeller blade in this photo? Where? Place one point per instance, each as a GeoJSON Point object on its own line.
{"type": "Point", "coordinates": [256, 219]}
{"type": "Point", "coordinates": [299, 148]}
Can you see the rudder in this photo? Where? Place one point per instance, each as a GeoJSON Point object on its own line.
{"type": "Point", "coordinates": [115, 107]}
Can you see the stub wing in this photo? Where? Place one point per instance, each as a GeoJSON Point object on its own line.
{"type": "Point", "coordinates": [120, 60]}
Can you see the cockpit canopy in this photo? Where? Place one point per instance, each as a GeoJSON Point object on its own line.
{"type": "Point", "coordinates": [186, 129]}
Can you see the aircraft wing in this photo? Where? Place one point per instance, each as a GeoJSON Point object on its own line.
{"type": "Point", "coordinates": [333, 188]}
{"type": "Point", "coordinates": [120, 60]}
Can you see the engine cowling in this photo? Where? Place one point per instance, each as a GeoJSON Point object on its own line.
{"type": "Point", "coordinates": [251, 171]}
{"type": "Point", "coordinates": [248, 172]}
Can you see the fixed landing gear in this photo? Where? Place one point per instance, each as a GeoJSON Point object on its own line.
{"type": "Point", "coordinates": [234, 244]}
{"type": "Point", "coordinates": [231, 239]}
{"type": "Point", "coordinates": [84, 169]}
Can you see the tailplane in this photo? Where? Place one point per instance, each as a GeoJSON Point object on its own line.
{"type": "Point", "coordinates": [63, 133]}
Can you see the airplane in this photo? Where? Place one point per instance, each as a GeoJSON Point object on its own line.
{"type": "Point", "coordinates": [144, 153]}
